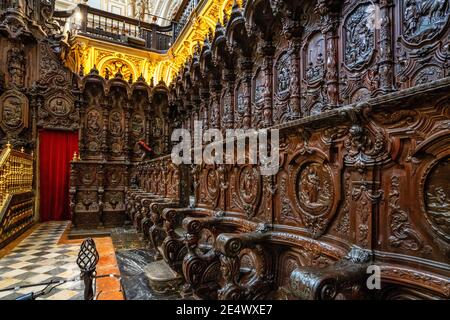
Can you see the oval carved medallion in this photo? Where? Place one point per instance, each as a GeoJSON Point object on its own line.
{"type": "Point", "coordinates": [437, 197]}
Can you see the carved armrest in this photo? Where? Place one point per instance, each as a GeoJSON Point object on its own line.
{"type": "Point", "coordinates": [172, 217]}
{"type": "Point", "coordinates": [344, 280]}
{"type": "Point", "coordinates": [231, 244]}
{"type": "Point", "coordinates": [235, 287]}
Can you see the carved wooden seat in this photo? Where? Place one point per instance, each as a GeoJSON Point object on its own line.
{"type": "Point", "coordinates": [153, 212]}
{"type": "Point", "coordinates": [167, 234]}
{"type": "Point", "coordinates": [245, 265]}
{"type": "Point", "coordinates": [346, 279]}
{"type": "Point", "coordinates": [201, 264]}
{"type": "Point", "coordinates": [247, 262]}
{"type": "Point", "coordinates": [134, 202]}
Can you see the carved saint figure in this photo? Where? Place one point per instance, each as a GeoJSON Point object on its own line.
{"type": "Point", "coordinates": [58, 107]}
{"type": "Point", "coordinates": [248, 185]}
{"type": "Point", "coordinates": [314, 188]}
{"type": "Point", "coordinates": [311, 186]}
{"type": "Point", "coordinates": [116, 124]}
{"type": "Point", "coordinates": [241, 103]}
{"type": "Point", "coordinates": [259, 88]}
{"type": "Point", "coordinates": [212, 181]}
{"type": "Point", "coordinates": [359, 38]}
{"type": "Point", "coordinates": [16, 67]}
{"type": "Point", "coordinates": [93, 119]}
{"type": "Point", "coordinates": [284, 75]}
{"type": "Point", "coordinates": [12, 112]}
{"type": "Point", "coordinates": [137, 125]}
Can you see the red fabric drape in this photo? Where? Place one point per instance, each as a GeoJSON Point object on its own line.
{"type": "Point", "coordinates": [56, 149]}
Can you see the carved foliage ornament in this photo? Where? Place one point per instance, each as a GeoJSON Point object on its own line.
{"type": "Point", "coordinates": [424, 19]}
{"type": "Point", "coordinates": [359, 42]}
{"type": "Point", "coordinates": [403, 234]}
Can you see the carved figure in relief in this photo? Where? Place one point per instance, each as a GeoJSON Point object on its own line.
{"type": "Point", "coordinates": [212, 181]}
{"type": "Point", "coordinates": [58, 107]}
{"type": "Point", "coordinates": [437, 197]}
{"type": "Point", "coordinates": [241, 103]}
{"type": "Point", "coordinates": [315, 70]}
{"type": "Point", "coordinates": [12, 112]}
{"type": "Point", "coordinates": [136, 125]}
{"type": "Point", "coordinates": [311, 186]}
{"type": "Point", "coordinates": [284, 75]}
{"type": "Point", "coordinates": [93, 119]}
{"type": "Point", "coordinates": [359, 42]}
{"type": "Point", "coordinates": [439, 206]}
{"type": "Point", "coordinates": [259, 89]}
{"type": "Point", "coordinates": [16, 67]}
{"type": "Point", "coordinates": [157, 128]}
{"type": "Point", "coordinates": [248, 184]}
{"type": "Point", "coordinates": [116, 124]}
{"type": "Point", "coordinates": [314, 187]}
{"type": "Point", "coordinates": [423, 19]}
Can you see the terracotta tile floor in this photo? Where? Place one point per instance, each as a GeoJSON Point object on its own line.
{"type": "Point", "coordinates": [45, 254]}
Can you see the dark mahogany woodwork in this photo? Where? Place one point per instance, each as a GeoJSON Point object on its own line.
{"type": "Point", "coordinates": [363, 109]}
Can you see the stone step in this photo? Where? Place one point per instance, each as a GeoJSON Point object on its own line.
{"type": "Point", "coordinates": [88, 233]}
{"type": "Point", "coordinates": [161, 278]}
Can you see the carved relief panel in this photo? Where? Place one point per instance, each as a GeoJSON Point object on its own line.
{"type": "Point", "coordinates": [314, 98]}
{"type": "Point", "coordinates": [246, 190]}
{"type": "Point", "coordinates": [309, 190]}
{"type": "Point", "coordinates": [116, 133]}
{"type": "Point", "coordinates": [259, 91]}
{"type": "Point", "coordinates": [59, 112]}
{"type": "Point", "coordinates": [436, 197]}
{"type": "Point", "coordinates": [359, 75]}
{"type": "Point", "coordinates": [14, 112]}
{"type": "Point", "coordinates": [282, 84]}
{"type": "Point", "coordinates": [241, 104]}
{"type": "Point", "coordinates": [422, 48]}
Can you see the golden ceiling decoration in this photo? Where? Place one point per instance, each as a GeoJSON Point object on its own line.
{"type": "Point", "coordinates": [88, 52]}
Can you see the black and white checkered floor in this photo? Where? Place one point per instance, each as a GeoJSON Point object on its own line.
{"type": "Point", "coordinates": [37, 259]}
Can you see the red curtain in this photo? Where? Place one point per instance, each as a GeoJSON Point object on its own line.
{"type": "Point", "coordinates": [56, 149]}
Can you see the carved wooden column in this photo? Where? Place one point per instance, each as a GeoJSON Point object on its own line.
{"type": "Point", "coordinates": [148, 111]}
{"type": "Point", "coordinates": [214, 112]}
{"type": "Point", "coordinates": [204, 104]}
{"type": "Point", "coordinates": [127, 149]}
{"type": "Point", "coordinates": [268, 51]}
{"type": "Point", "coordinates": [228, 110]}
{"type": "Point", "coordinates": [292, 30]}
{"type": "Point", "coordinates": [328, 11]}
{"type": "Point", "coordinates": [105, 145]}
{"type": "Point", "coordinates": [101, 192]}
{"type": "Point", "coordinates": [246, 66]}
{"type": "Point", "coordinates": [81, 105]}
{"type": "Point", "coordinates": [294, 100]}
{"type": "Point", "coordinates": [386, 64]}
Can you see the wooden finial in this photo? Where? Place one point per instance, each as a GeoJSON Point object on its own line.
{"type": "Point", "coordinates": [22, 149]}
{"type": "Point", "coordinates": [75, 158]}
{"type": "Point", "coordinates": [8, 145]}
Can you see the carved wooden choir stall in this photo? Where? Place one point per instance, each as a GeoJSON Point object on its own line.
{"type": "Point", "coordinates": [359, 91]}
